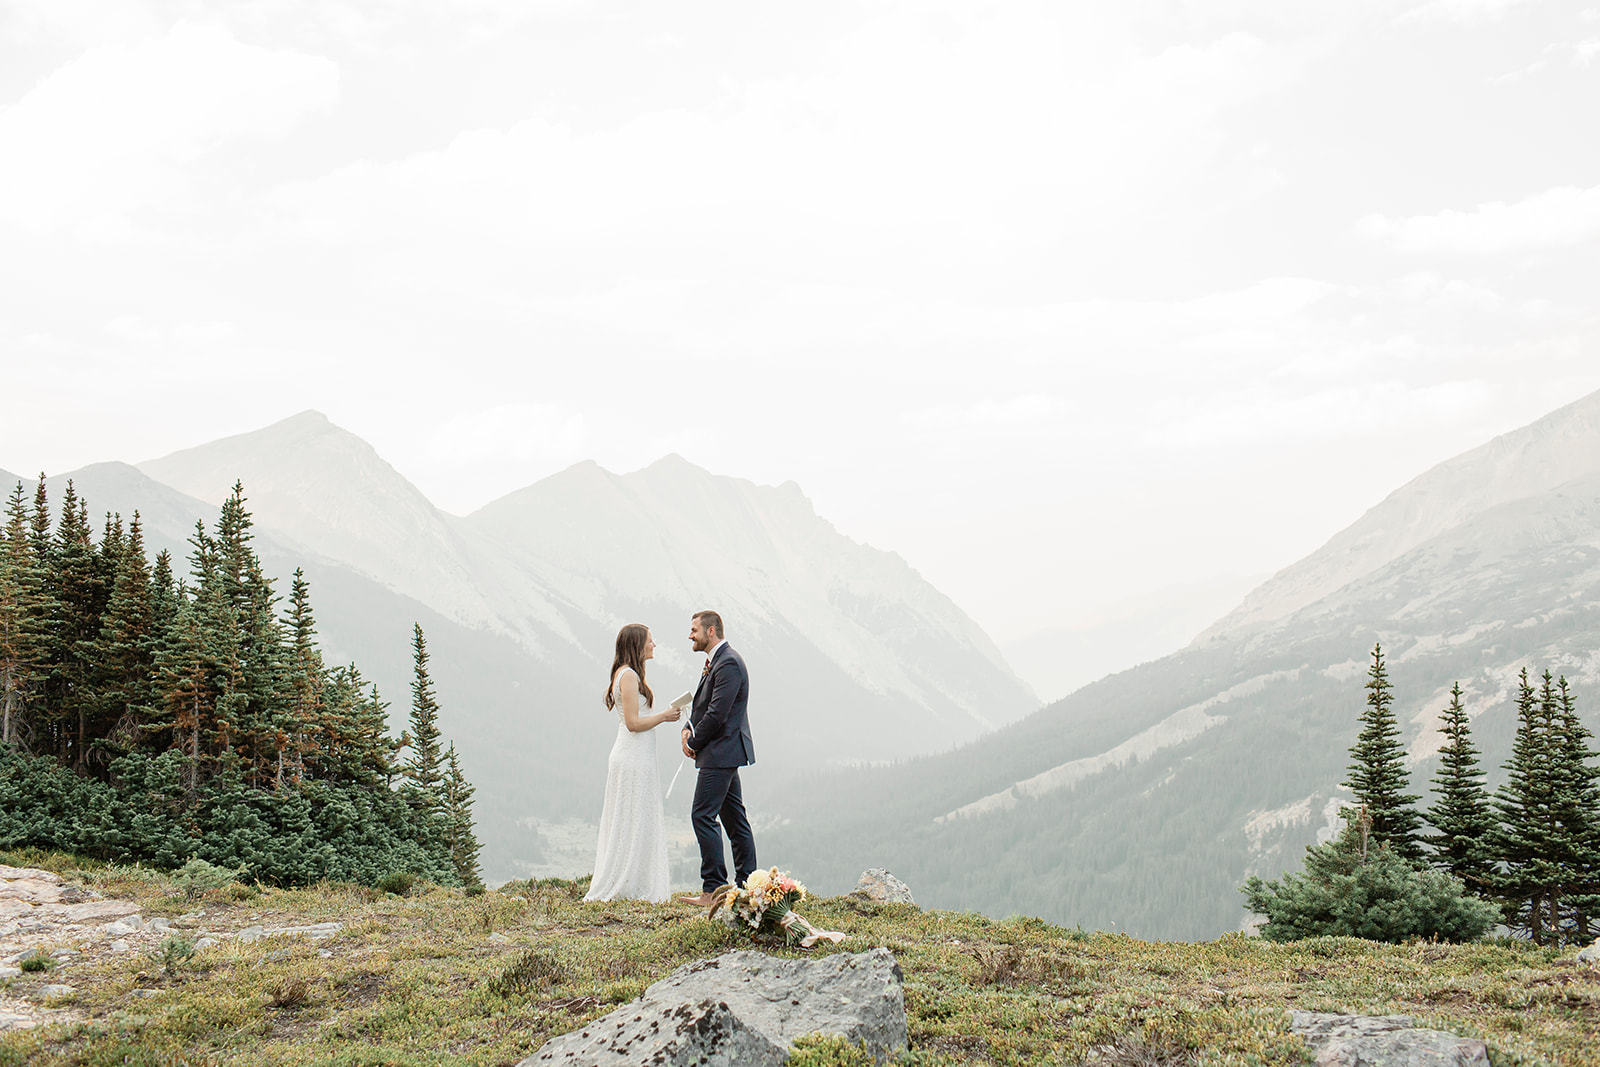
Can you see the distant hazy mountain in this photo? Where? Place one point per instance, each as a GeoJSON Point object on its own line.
{"type": "Point", "coordinates": [1060, 659]}
{"type": "Point", "coordinates": [1556, 450]}
{"type": "Point", "coordinates": [1141, 802]}
{"type": "Point", "coordinates": [853, 656]}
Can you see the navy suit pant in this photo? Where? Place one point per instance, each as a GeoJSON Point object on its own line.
{"type": "Point", "coordinates": [717, 795]}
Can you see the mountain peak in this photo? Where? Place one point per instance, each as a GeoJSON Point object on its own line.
{"type": "Point", "coordinates": [1530, 461]}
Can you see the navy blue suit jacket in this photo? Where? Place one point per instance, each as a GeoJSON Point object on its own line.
{"type": "Point", "coordinates": [719, 716]}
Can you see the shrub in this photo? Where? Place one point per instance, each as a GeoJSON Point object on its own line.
{"type": "Point", "coordinates": [1352, 890]}
{"type": "Point", "coordinates": [38, 960]}
{"type": "Point", "coordinates": [197, 878]}
{"type": "Point", "coordinates": [397, 882]}
{"type": "Point", "coordinates": [176, 951]}
{"type": "Point", "coordinates": [533, 969]}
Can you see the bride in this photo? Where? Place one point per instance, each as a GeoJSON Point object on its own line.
{"type": "Point", "coordinates": [630, 862]}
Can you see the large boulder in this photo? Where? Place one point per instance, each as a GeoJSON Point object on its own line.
{"type": "Point", "coordinates": [1590, 954]}
{"type": "Point", "coordinates": [877, 884]}
{"type": "Point", "coordinates": [745, 1008]}
{"type": "Point", "coordinates": [1383, 1041]}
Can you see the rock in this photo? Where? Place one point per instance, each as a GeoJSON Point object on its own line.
{"type": "Point", "coordinates": [63, 953]}
{"type": "Point", "coordinates": [124, 927]}
{"type": "Point", "coordinates": [1383, 1041]}
{"type": "Point", "coordinates": [56, 991]}
{"type": "Point", "coordinates": [118, 946]}
{"type": "Point", "coordinates": [746, 1008]}
{"type": "Point", "coordinates": [160, 924]}
{"type": "Point", "coordinates": [90, 911]}
{"type": "Point", "coordinates": [706, 1033]}
{"type": "Point", "coordinates": [9, 873]}
{"type": "Point", "coordinates": [32, 890]}
{"type": "Point", "coordinates": [882, 887]}
{"type": "Point", "coordinates": [206, 942]}
{"type": "Point", "coordinates": [144, 993]}
{"type": "Point", "coordinates": [10, 972]}
{"type": "Point", "coordinates": [1590, 954]}
{"type": "Point", "coordinates": [498, 938]}
{"type": "Point", "coordinates": [251, 933]}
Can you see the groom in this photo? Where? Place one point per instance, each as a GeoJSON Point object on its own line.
{"type": "Point", "coordinates": [718, 740]}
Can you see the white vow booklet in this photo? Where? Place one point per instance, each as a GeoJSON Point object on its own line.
{"type": "Point", "coordinates": [682, 702]}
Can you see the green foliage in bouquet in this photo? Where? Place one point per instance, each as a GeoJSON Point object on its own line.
{"type": "Point", "coordinates": [765, 905]}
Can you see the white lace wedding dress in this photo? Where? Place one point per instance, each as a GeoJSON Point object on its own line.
{"type": "Point", "coordinates": [630, 861]}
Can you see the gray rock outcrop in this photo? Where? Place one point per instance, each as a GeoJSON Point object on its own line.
{"type": "Point", "coordinates": [877, 884]}
{"type": "Point", "coordinates": [1383, 1041]}
{"type": "Point", "coordinates": [1590, 954]}
{"type": "Point", "coordinates": [745, 1008]}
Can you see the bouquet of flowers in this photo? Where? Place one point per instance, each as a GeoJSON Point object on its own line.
{"type": "Point", "coordinates": [766, 904]}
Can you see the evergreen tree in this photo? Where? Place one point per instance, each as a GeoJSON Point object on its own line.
{"type": "Point", "coordinates": [1525, 841]}
{"type": "Point", "coordinates": [1461, 812]}
{"type": "Point", "coordinates": [80, 594]}
{"type": "Point", "coordinates": [174, 722]}
{"type": "Point", "coordinates": [1358, 887]}
{"type": "Point", "coordinates": [1378, 774]}
{"type": "Point", "coordinates": [124, 660]}
{"type": "Point", "coordinates": [357, 746]}
{"type": "Point", "coordinates": [459, 837]}
{"type": "Point", "coordinates": [1575, 816]}
{"type": "Point", "coordinates": [22, 616]}
{"type": "Point", "coordinates": [423, 769]}
{"type": "Point", "coordinates": [305, 681]}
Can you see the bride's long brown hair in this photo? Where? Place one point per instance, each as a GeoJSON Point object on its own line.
{"type": "Point", "coordinates": [630, 653]}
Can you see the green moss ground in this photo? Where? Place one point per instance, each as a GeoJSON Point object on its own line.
{"type": "Point", "coordinates": [438, 977]}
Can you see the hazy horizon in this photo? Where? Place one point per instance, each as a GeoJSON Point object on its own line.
{"type": "Point", "coordinates": [1066, 307]}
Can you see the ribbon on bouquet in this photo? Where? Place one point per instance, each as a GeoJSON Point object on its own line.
{"type": "Point", "coordinates": [813, 935]}
{"type": "Point", "coordinates": [668, 795]}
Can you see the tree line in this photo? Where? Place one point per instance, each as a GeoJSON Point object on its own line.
{"type": "Point", "coordinates": [154, 718]}
{"type": "Point", "coordinates": [1526, 855]}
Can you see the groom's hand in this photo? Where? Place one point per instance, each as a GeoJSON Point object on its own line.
{"type": "Point", "coordinates": [687, 751]}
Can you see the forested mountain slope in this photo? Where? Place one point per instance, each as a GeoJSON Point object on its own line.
{"type": "Point", "coordinates": [1140, 802]}
{"type": "Point", "coordinates": [521, 602]}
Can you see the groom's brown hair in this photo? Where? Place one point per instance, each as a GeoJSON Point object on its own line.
{"type": "Point", "coordinates": [711, 621]}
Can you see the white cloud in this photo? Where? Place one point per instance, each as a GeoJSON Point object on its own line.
{"type": "Point", "coordinates": [1345, 411]}
{"type": "Point", "coordinates": [911, 140]}
{"type": "Point", "coordinates": [83, 21]}
{"type": "Point", "coordinates": [121, 127]}
{"type": "Point", "coordinates": [1559, 217]}
{"type": "Point", "coordinates": [1467, 12]}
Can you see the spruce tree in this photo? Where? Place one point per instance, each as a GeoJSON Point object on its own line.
{"type": "Point", "coordinates": [1523, 841]}
{"type": "Point", "coordinates": [1461, 812]}
{"type": "Point", "coordinates": [70, 694]}
{"type": "Point", "coordinates": [1378, 775]}
{"type": "Point", "coordinates": [22, 618]}
{"type": "Point", "coordinates": [460, 840]}
{"type": "Point", "coordinates": [305, 681]}
{"type": "Point", "coordinates": [124, 662]}
{"type": "Point", "coordinates": [1357, 887]}
{"type": "Point", "coordinates": [423, 768]}
{"type": "Point", "coordinates": [1575, 811]}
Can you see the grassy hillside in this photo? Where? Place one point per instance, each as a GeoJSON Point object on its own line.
{"type": "Point", "coordinates": [437, 977]}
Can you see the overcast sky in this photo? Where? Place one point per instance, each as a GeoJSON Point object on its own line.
{"type": "Point", "coordinates": [1062, 302]}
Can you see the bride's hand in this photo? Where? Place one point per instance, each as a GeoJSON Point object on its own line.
{"type": "Point", "coordinates": [672, 715]}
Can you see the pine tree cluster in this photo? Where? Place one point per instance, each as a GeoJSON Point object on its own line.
{"type": "Point", "coordinates": [149, 718]}
{"type": "Point", "coordinates": [1532, 849]}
